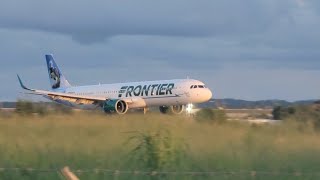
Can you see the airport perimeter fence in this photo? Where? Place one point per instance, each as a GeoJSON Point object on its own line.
{"type": "Point", "coordinates": [75, 174]}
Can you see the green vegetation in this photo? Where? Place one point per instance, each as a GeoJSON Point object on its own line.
{"type": "Point", "coordinates": [27, 108]}
{"type": "Point", "coordinates": [157, 150]}
{"type": "Point", "coordinates": [303, 115]}
{"type": "Point", "coordinates": [155, 143]}
{"type": "Point", "coordinates": [281, 113]}
{"type": "Point", "coordinates": [211, 116]}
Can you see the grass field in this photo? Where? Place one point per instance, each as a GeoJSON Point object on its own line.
{"type": "Point", "coordinates": [155, 142]}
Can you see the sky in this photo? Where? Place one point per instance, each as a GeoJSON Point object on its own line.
{"type": "Point", "coordinates": [246, 49]}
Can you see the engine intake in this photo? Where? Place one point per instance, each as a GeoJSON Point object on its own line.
{"type": "Point", "coordinates": [115, 106]}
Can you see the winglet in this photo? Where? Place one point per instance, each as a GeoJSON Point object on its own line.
{"type": "Point", "coordinates": [22, 85]}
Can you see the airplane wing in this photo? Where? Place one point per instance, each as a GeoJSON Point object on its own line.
{"type": "Point", "coordinates": [80, 99]}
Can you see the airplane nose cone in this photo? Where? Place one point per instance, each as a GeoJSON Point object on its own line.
{"type": "Point", "coordinates": [209, 95]}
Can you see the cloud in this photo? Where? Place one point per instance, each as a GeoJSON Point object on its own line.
{"type": "Point", "coordinates": [93, 21]}
{"type": "Point", "coordinates": [123, 40]}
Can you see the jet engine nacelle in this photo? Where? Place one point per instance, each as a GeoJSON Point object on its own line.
{"type": "Point", "coordinates": [175, 109]}
{"type": "Point", "coordinates": [115, 106]}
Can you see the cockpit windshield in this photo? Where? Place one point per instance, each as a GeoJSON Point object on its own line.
{"type": "Point", "coordinates": [197, 86]}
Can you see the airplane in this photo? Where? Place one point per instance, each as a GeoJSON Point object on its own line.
{"type": "Point", "coordinates": [170, 96]}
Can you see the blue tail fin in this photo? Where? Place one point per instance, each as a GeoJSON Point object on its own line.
{"type": "Point", "coordinates": [57, 79]}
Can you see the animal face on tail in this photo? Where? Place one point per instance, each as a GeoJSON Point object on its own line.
{"type": "Point", "coordinates": [57, 79]}
{"type": "Point", "coordinates": [54, 75]}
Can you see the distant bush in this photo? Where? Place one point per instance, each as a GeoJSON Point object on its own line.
{"type": "Point", "coordinates": [317, 102]}
{"type": "Point", "coordinates": [304, 114]}
{"type": "Point", "coordinates": [24, 107]}
{"type": "Point", "coordinates": [280, 112]}
{"type": "Point", "coordinates": [211, 115]}
{"type": "Point", "coordinates": [27, 108]}
{"type": "Point", "coordinates": [40, 108]}
{"type": "Point", "coordinates": [59, 108]}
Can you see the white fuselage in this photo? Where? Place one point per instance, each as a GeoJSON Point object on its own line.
{"type": "Point", "coordinates": [146, 93]}
{"type": "Point", "coordinates": [120, 97]}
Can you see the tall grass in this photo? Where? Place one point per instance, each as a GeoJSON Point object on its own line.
{"type": "Point", "coordinates": [154, 142]}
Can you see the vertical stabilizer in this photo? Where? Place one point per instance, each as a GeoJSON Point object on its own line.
{"type": "Point", "coordinates": [57, 79]}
